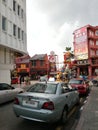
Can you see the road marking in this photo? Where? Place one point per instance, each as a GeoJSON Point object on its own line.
{"type": "Point", "coordinates": [81, 100]}
{"type": "Point", "coordinates": [72, 111]}
{"type": "Point", "coordinates": [81, 108]}
{"type": "Point", "coordinates": [85, 101]}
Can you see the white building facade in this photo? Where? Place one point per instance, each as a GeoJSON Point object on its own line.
{"type": "Point", "coordinates": [13, 38]}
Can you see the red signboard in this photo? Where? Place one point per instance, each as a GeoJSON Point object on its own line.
{"type": "Point", "coordinates": [80, 44]}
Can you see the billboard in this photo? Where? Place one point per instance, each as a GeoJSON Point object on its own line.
{"type": "Point", "coordinates": [80, 44]}
{"type": "Point", "coordinates": [52, 59]}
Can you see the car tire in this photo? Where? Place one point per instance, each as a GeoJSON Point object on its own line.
{"type": "Point", "coordinates": [64, 115]}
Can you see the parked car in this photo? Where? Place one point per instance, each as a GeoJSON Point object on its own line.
{"type": "Point", "coordinates": [95, 82]}
{"type": "Point", "coordinates": [8, 92]}
{"type": "Point", "coordinates": [81, 84]}
{"type": "Point", "coordinates": [14, 80]}
{"type": "Point", "coordinates": [46, 102]}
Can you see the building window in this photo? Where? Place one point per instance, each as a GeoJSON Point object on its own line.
{"type": "Point", "coordinates": [14, 29]}
{"type": "Point", "coordinates": [4, 1]}
{"type": "Point", "coordinates": [14, 5]}
{"type": "Point", "coordinates": [97, 52]}
{"type": "Point", "coordinates": [92, 52]}
{"type": "Point", "coordinates": [19, 33]}
{"type": "Point", "coordinates": [22, 35]}
{"type": "Point", "coordinates": [81, 62]}
{"type": "Point", "coordinates": [91, 33]}
{"type": "Point", "coordinates": [21, 13]}
{"type": "Point", "coordinates": [23, 66]}
{"type": "Point", "coordinates": [41, 63]}
{"type": "Point", "coordinates": [27, 65]}
{"type": "Point", "coordinates": [97, 42]}
{"type": "Point", "coordinates": [4, 23]}
{"type": "Point", "coordinates": [19, 66]}
{"type": "Point", "coordinates": [91, 42]}
{"type": "Point", "coordinates": [18, 10]}
{"type": "Point", "coordinates": [33, 63]}
{"type": "Point", "coordinates": [96, 32]}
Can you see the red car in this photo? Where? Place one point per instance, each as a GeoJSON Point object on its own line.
{"type": "Point", "coordinates": [14, 80]}
{"type": "Point", "coordinates": [80, 84]}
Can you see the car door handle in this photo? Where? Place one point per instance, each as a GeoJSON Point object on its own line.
{"type": "Point", "coordinates": [66, 96]}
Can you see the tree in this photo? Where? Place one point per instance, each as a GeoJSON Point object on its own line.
{"type": "Point", "coordinates": [68, 48]}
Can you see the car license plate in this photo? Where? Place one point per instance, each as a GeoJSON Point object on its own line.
{"type": "Point", "coordinates": [30, 103]}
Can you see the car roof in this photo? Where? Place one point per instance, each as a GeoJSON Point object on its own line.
{"type": "Point", "coordinates": [77, 79]}
{"type": "Point", "coordinates": [4, 83]}
{"type": "Point", "coordinates": [53, 82]}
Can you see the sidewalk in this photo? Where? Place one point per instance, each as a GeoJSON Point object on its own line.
{"type": "Point", "coordinates": [23, 85]}
{"type": "Point", "coordinates": [89, 115]}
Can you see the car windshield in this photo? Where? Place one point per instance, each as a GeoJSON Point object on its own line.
{"type": "Point", "coordinates": [75, 81]}
{"type": "Point", "coordinates": [48, 88]}
{"type": "Point", "coordinates": [4, 86]}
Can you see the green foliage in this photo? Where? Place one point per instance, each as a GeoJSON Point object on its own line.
{"type": "Point", "coordinates": [68, 48]}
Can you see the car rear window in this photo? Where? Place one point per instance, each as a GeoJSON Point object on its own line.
{"type": "Point", "coordinates": [75, 81]}
{"type": "Point", "coordinates": [48, 88]}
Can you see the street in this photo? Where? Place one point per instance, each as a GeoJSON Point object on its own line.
{"type": "Point", "coordinates": [8, 121]}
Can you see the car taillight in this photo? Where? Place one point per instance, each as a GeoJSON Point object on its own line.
{"type": "Point", "coordinates": [84, 86]}
{"type": "Point", "coordinates": [16, 101]}
{"type": "Point", "coordinates": [48, 105]}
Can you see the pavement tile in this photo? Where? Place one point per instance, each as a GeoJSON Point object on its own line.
{"type": "Point", "coordinates": [89, 115]}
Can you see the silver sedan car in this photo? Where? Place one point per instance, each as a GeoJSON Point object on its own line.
{"type": "Point", "coordinates": [8, 92]}
{"type": "Point", "coordinates": [46, 102]}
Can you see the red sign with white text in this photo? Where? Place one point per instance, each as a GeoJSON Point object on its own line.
{"type": "Point", "coordinates": [80, 44]}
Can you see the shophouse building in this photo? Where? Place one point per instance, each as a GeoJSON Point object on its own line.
{"type": "Point", "coordinates": [39, 66]}
{"type": "Point", "coordinates": [12, 35]}
{"type": "Point", "coordinates": [86, 50]}
{"type": "Point", "coordinates": [23, 66]}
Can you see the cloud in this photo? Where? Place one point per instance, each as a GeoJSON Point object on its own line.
{"type": "Point", "coordinates": [61, 11]}
{"type": "Point", "coordinates": [50, 23]}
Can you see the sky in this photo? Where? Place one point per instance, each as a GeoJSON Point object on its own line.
{"type": "Point", "coordinates": [51, 23]}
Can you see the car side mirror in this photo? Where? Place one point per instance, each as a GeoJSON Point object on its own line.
{"type": "Point", "coordinates": [12, 87]}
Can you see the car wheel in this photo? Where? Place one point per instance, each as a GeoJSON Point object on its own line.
{"type": "Point", "coordinates": [64, 115]}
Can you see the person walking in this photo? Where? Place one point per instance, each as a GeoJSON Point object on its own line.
{"type": "Point", "coordinates": [19, 79]}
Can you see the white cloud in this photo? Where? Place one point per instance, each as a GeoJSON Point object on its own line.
{"type": "Point", "coordinates": [50, 23]}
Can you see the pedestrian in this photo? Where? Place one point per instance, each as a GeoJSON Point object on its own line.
{"type": "Point", "coordinates": [20, 79]}
{"type": "Point", "coordinates": [27, 80]}
{"type": "Point", "coordinates": [90, 83]}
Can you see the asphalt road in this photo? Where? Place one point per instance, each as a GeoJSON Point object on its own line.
{"type": "Point", "coordinates": [8, 120]}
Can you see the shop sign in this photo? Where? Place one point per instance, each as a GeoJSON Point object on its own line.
{"type": "Point", "coordinates": [52, 57]}
{"type": "Point", "coordinates": [23, 66]}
